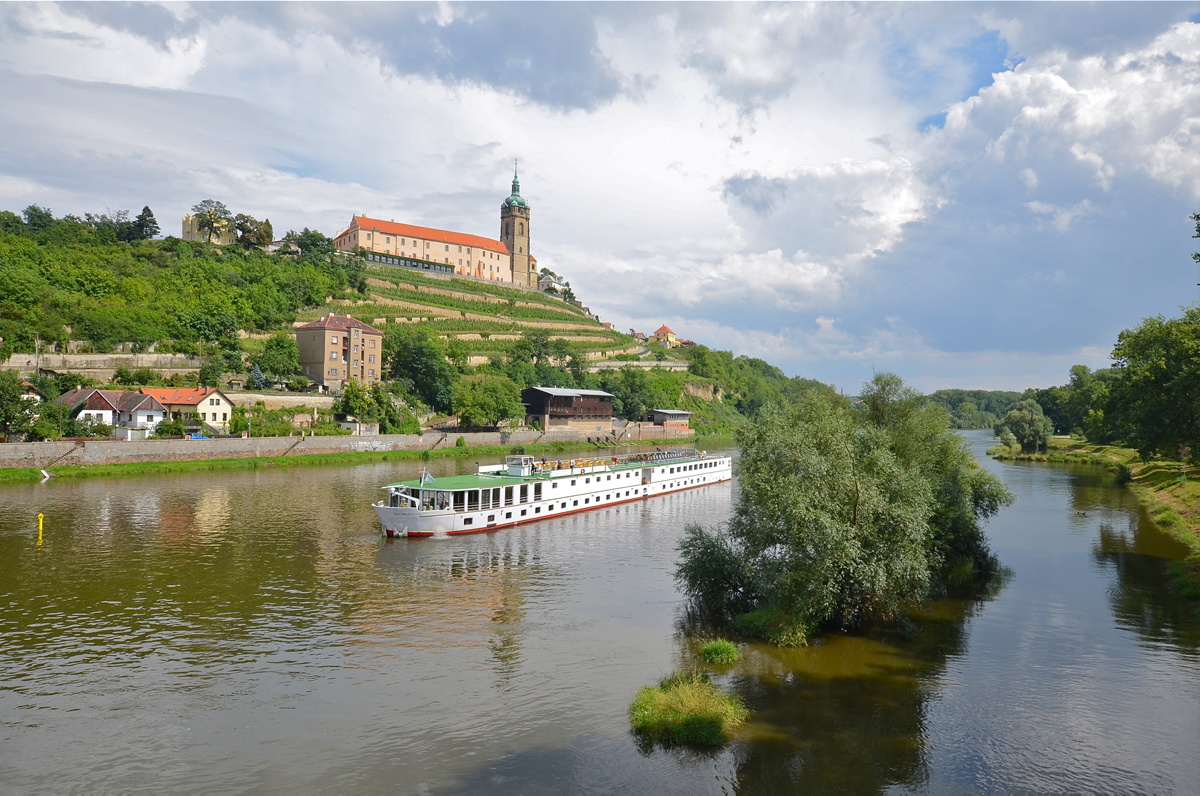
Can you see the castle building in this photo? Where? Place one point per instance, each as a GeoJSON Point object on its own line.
{"type": "Point", "coordinates": [225, 236]}
{"type": "Point", "coordinates": [505, 260]}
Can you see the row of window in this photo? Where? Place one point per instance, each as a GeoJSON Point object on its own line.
{"type": "Point", "coordinates": [416, 243]}
{"type": "Point", "coordinates": [508, 515]}
{"type": "Point", "coordinates": [349, 372]}
{"type": "Point", "coordinates": [686, 468]}
{"type": "Point", "coordinates": [333, 339]}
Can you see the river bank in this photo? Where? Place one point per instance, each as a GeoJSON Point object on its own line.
{"type": "Point", "coordinates": [1169, 491]}
{"type": "Point", "coordinates": [296, 458]}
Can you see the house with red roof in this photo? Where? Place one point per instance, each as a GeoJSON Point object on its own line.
{"type": "Point", "coordinates": [505, 260]}
{"type": "Point", "coordinates": [664, 336]}
{"type": "Point", "coordinates": [194, 405]}
{"type": "Point", "coordinates": [337, 348]}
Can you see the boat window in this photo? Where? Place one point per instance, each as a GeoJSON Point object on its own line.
{"type": "Point", "coordinates": [460, 501]}
{"type": "Point", "coordinates": [575, 503]}
{"type": "Point", "coordinates": [485, 500]}
{"type": "Point", "coordinates": [524, 512]}
{"type": "Point", "coordinates": [473, 500]}
{"type": "Point", "coordinates": [554, 485]}
{"type": "Point", "coordinates": [508, 515]}
{"type": "Point", "coordinates": [508, 495]}
{"type": "Point", "coordinates": [537, 510]}
{"type": "Point", "coordinates": [524, 493]}
{"type": "Point", "coordinates": [496, 496]}
{"type": "Point", "coordinates": [537, 492]}
{"type": "Point", "coordinates": [573, 480]}
{"type": "Point", "coordinates": [468, 520]}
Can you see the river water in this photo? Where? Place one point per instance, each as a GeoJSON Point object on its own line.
{"type": "Point", "coordinates": [251, 632]}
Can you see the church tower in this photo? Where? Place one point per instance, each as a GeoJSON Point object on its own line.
{"type": "Point", "coordinates": [514, 233]}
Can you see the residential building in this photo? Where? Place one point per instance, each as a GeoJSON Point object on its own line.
{"type": "Point", "coordinates": [555, 406]}
{"type": "Point", "coordinates": [668, 418]}
{"type": "Point", "coordinates": [117, 408]}
{"type": "Point", "coordinates": [337, 348]}
{"type": "Point", "coordinates": [664, 336]}
{"type": "Point", "coordinates": [505, 260]}
{"type": "Point", "coordinates": [194, 405]}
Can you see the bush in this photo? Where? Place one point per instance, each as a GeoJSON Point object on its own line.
{"type": "Point", "coordinates": [461, 442]}
{"type": "Point", "coordinates": [720, 651]}
{"type": "Point", "coordinates": [773, 626]}
{"type": "Point", "coordinates": [685, 708]}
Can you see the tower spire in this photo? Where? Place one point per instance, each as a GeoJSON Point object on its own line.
{"type": "Point", "coordinates": [516, 186]}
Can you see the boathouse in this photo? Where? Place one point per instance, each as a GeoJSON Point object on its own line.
{"type": "Point", "coordinates": [556, 406]}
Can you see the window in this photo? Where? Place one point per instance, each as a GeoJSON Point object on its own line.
{"type": "Point", "coordinates": [203, 416]}
{"type": "Point", "coordinates": [333, 371]}
{"type": "Point", "coordinates": [224, 416]}
{"type": "Point", "coordinates": [447, 247]}
{"type": "Point", "coordinates": [371, 372]}
{"type": "Point", "coordinates": [333, 356]}
{"type": "Point", "coordinates": [387, 238]}
{"type": "Point", "coordinates": [356, 349]}
{"type": "Point", "coordinates": [371, 343]}
{"type": "Point", "coordinates": [333, 339]}
{"type": "Point", "coordinates": [508, 515]}
{"type": "Point", "coordinates": [524, 512]}
{"type": "Point", "coordinates": [469, 521]}
{"type": "Point", "coordinates": [371, 358]}
{"type": "Point", "coordinates": [356, 332]}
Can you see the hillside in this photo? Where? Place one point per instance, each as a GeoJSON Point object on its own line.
{"type": "Point", "coordinates": [67, 286]}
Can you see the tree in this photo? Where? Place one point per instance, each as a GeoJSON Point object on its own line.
{"type": "Point", "coordinates": [37, 219]}
{"type": "Point", "coordinates": [355, 401]}
{"type": "Point", "coordinates": [280, 357]}
{"type": "Point", "coordinates": [211, 372]}
{"type": "Point", "coordinates": [145, 226]}
{"type": "Point", "coordinates": [252, 233]}
{"type": "Point", "coordinates": [487, 400]}
{"type": "Point", "coordinates": [310, 241]}
{"type": "Point", "coordinates": [843, 516]}
{"type": "Point", "coordinates": [417, 357]}
{"type": "Point", "coordinates": [1028, 424]}
{"type": "Point", "coordinates": [1154, 405]}
{"type": "Point", "coordinates": [212, 217]}
{"type": "Point", "coordinates": [15, 414]}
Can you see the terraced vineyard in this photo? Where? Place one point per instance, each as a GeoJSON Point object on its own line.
{"type": "Point", "coordinates": [484, 316]}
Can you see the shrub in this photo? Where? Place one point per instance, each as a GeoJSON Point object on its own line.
{"type": "Point", "coordinates": [685, 708]}
{"type": "Point", "coordinates": [461, 442]}
{"type": "Point", "coordinates": [773, 626]}
{"type": "Point", "coordinates": [720, 651]}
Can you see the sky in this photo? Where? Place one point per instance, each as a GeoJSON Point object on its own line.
{"type": "Point", "coordinates": [971, 195]}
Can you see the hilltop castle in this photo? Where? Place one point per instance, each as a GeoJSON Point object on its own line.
{"type": "Point", "coordinates": [505, 260]}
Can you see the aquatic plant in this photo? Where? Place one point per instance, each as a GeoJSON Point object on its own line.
{"type": "Point", "coordinates": [720, 651]}
{"type": "Point", "coordinates": [686, 708]}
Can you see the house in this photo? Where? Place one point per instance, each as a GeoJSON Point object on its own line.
{"type": "Point", "coordinates": [358, 428]}
{"type": "Point", "coordinates": [29, 392]}
{"type": "Point", "coordinates": [337, 348]}
{"type": "Point", "coordinates": [117, 408]}
{"type": "Point", "coordinates": [554, 406]}
{"type": "Point", "coordinates": [639, 336]}
{"type": "Point", "coordinates": [225, 234]}
{"type": "Point", "coordinates": [194, 405]}
{"type": "Point", "coordinates": [668, 418]}
{"type": "Point", "coordinates": [664, 336]}
{"type": "Point", "coordinates": [552, 282]}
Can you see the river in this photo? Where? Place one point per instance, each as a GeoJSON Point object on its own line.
{"type": "Point", "coordinates": [252, 632]}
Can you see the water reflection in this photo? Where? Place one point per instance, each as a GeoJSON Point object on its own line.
{"type": "Point", "coordinates": [252, 632]}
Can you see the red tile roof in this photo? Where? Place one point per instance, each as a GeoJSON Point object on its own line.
{"type": "Point", "coordinates": [426, 233]}
{"type": "Point", "coordinates": [663, 330]}
{"type": "Point", "coordinates": [181, 396]}
{"type": "Point", "coordinates": [339, 322]}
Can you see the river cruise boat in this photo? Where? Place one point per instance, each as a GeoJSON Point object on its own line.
{"type": "Point", "coordinates": [525, 489]}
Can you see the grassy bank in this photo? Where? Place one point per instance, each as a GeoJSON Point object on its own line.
{"type": "Point", "coordinates": [686, 708]}
{"type": "Point", "coordinates": [28, 475]}
{"type": "Point", "coordinates": [1170, 491]}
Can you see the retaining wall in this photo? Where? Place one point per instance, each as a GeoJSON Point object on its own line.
{"type": "Point", "coordinates": [45, 454]}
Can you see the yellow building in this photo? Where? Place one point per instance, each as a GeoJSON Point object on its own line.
{"type": "Point", "coordinates": [505, 260]}
{"type": "Point", "coordinates": [664, 336]}
{"type": "Point", "coordinates": [337, 348]}
{"type": "Point", "coordinates": [191, 231]}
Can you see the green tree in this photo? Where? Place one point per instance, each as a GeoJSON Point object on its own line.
{"type": "Point", "coordinates": [211, 372]}
{"type": "Point", "coordinates": [280, 357]}
{"type": "Point", "coordinates": [842, 516]}
{"type": "Point", "coordinates": [1028, 424]}
{"type": "Point", "coordinates": [1154, 404]}
{"type": "Point", "coordinates": [417, 358]}
{"type": "Point", "coordinates": [355, 401]}
{"type": "Point", "coordinates": [252, 233]}
{"type": "Point", "coordinates": [37, 219]}
{"type": "Point", "coordinates": [15, 410]}
{"type": "Point", "coordinates": [145, 226]}
{"type": "Point", "coordinates": [486, 400]}
{"type": "Point", "coordinates": [212, 217]}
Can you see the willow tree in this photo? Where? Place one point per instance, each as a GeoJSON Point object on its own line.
{"type": "Point", "coordinates": [843, 516]}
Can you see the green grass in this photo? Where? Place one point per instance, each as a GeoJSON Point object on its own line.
{"type": "Point", "coordinates": [720, 651]}
{"type": "Point", "coordinates": [686, 708]}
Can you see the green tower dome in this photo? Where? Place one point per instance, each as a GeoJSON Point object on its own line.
{"type": "Point", "coordinates": [515, 199]}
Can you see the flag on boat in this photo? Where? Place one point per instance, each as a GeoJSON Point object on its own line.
{"type": "Point", "coordinates": [426, 478]}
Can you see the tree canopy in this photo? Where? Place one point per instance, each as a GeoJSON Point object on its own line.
{"type": "Point", "coordinates": [843, 516]}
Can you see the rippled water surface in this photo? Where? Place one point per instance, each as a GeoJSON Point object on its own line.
{"type": "Point", "coordinates": [252, 632]}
